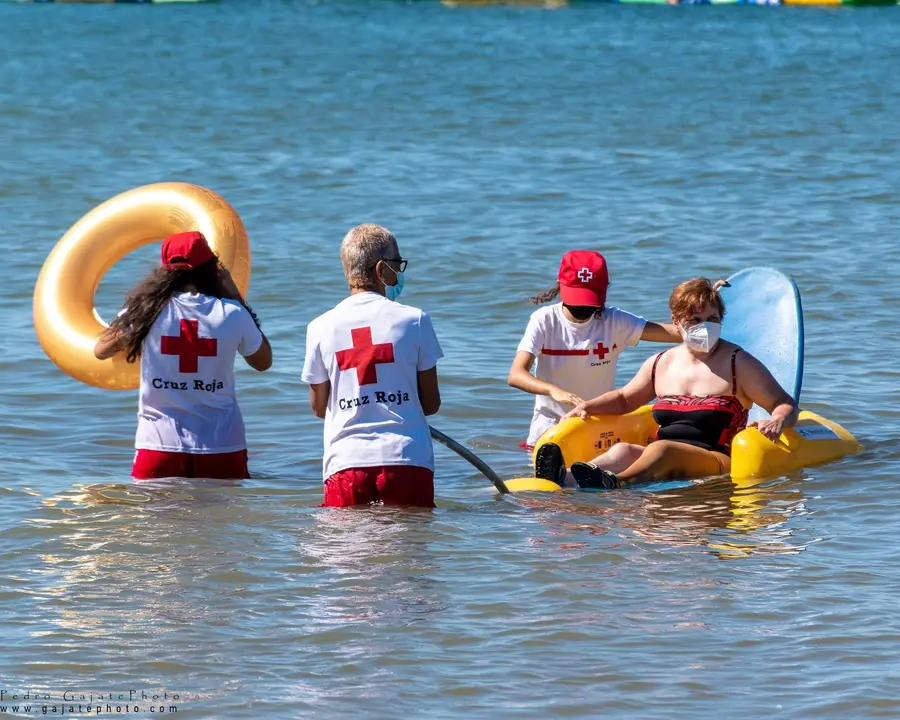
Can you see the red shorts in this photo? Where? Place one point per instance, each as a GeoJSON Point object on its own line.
{"type": "Point", "coordinates": [152, 464]}
{"type": "Point", "coordinates": [392, 485]}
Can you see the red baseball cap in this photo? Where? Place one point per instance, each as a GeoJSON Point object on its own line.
{"type": "Point", "coordinates": [185, 251]}
{"type": "Point", "coordinates": [583, 278]}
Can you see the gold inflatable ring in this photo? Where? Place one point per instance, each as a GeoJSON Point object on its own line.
{"type": "Point", "coordinates": [66, 322]}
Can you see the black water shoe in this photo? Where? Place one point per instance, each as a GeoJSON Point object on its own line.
{"type": "Point", "coordinates": [593, 478]}
{"type": "Point", "coordinates": [548, 464]}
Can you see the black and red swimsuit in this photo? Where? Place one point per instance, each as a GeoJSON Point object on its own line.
{"type": "Point", "coordinates": [709, 422]}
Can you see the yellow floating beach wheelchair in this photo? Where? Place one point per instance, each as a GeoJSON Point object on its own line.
{"type": "Point", "coordinates": [812, 441]}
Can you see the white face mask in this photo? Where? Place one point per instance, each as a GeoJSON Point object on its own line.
{"type": "Point", "coordinates": [702, 337]}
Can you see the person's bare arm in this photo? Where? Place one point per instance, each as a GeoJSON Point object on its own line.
{"type": "Point", "coordinates": [520, 377]}
{"type": "Point", "coordinates": [318, 398]}
{"type": "Point", "coordinates": [429, 390]}
{"type": "Point", "coordinates": [108, 344]}
{"type": "Point", "coordinates": [261, 360]}
{"type": "Point", "coordinates": [638, 391]}
{"type": "Point", "coordinates": [660, 332]}
{"type": "Point", "coordinates": [758, 384]}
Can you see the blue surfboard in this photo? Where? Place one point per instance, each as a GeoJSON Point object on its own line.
{"type": "Point", "coordinates": [764, 316]}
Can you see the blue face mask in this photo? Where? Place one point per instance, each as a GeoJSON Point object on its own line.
{"type": "Point", "coordinates": [392, 292]}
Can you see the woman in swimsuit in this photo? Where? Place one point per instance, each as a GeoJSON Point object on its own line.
{"type": "Point", "coordinates": [703, 389]}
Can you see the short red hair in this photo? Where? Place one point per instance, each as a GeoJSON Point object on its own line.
{"type": "Point", "coordinates": [693, 294]}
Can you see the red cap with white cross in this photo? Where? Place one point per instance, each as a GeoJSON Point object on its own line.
{"type": "Point", "coordinates": [583, 278]}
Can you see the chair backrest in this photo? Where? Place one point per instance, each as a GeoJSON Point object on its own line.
{"type": "Point", "coordinates": [763, 315]}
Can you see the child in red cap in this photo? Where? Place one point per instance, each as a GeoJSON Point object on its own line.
{"type": "Point", "coordinates": [186, 321]}
{"type": "Point", "coordinates": [576, 342]}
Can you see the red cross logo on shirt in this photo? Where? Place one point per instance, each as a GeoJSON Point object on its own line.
{"type": "Point", "coordinates": [364, 356]}
{"type": "Point", "coordinates": [189, 346]}
{"type": "Point", "coordinates": [601, 350]}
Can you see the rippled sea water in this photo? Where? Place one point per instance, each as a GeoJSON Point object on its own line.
{"type": "Point", "coordinates": [678, 141]}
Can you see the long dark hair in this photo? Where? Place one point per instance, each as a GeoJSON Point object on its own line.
{"type": "Point", "coordinates": [552, 294]}
{"type": "Point", "coordinates": [147, 299]}
{"type": "Point", "coordinates": [546, 296]}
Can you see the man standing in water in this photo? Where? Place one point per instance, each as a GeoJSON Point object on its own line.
{"type": "Point", "coordinates": [371, 366]}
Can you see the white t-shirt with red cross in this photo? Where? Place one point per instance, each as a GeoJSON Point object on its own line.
{"type": "Point", "coordinates": [371, 350]}
{"type": "Point", "coordinates": [187, 398]}
{"type": "Point", "coordinates": [577, 357]}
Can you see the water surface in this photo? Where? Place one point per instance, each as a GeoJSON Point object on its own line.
{"type": "Point", "coordinates": [678, 141]}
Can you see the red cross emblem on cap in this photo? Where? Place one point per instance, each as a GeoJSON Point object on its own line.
{"type": "Point", "coordinates": [189, 346]}
{"type": "Point", "coordinates": [365, 356]}
{"type": "Point", "coordinates": [585, 275]}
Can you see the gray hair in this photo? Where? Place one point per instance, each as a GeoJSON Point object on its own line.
{"type": "Point", "coordinates": [361, 250]}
